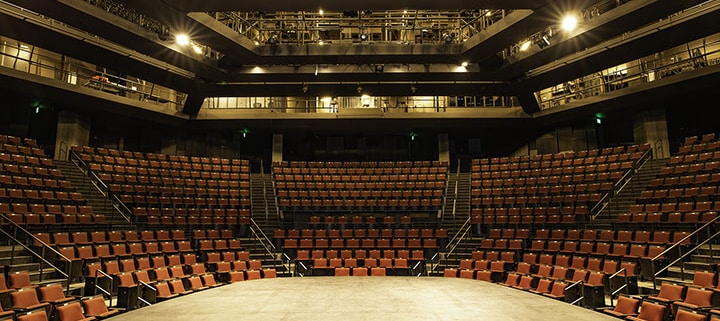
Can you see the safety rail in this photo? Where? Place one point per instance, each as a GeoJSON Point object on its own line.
{"type": "Point", "coordinates": [679, 245]}
{"type": "Point", "coordinates": [142, 286]}
{"type": "Point", "coordinates": [623, 287]}
{"type": "Point", "coordinates": [44, 246]}
{"type": "Point", "coordinates": [98, 287]}
{"type": "Point", "coordinates": [603, 203]}
{"type": "Point", "coordinates": [267, 244]}
{"type": "Point", "coordinates": [453, 243]}
{"type": "Point", "coordinates": [102, 187]}
{"type": "Point", "coordinates": [580, 298]}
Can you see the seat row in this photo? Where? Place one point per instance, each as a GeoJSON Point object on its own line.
{"type": "Point", "coordinates": [366, 164]}
{"type": "Point", "coordinates": [10, 182]}
{"type": "Point", "coordinates": [31, 171]}
{"type": "Point", "coordinates": [346, 254]}
{"type": "Point", "coordinates": [694, 158]}
{"type": "Point", "coordinates": [606, 152]}
{"type": "Point", "coordinates": [666, 218]}
{"type": "Point", "coordinates": [550, 175]}
{"type": "Point", "coordinates": [23, 160]}
{"type": "Point", "coordinates": [364, 243]}
{"type": "Point", "coordinates": [680, 195]}
{"type": "Point", "coordinates": [18, 141]}
{"type": "Point", "coordinates": [675, 207]}
{"type": "Point", "coordinates": [159, 157]}
{"type": "Point", "coordinates": [349, 233]}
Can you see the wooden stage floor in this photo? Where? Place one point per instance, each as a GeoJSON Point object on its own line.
{"type": "Point", "coordinates": [362, 298]}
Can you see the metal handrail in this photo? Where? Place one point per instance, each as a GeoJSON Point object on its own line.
{"type": "Point", "coordinates": [101, 186]}
{"type": "Point", "coordinates": [624, 286]}
{"type": "Point", "coordinates": [457, 238]}
{"type": "Point", "coordinates": [620, 184]}
{"type": "Point", "coordinates": [44, 246]}
{"type": "Point", "coordinates": [678, 243]}
{"type": "Point", "coordinates": [452, 239]}
{"type": "Point", "coordinates": [145, 285]}
{"type": "Point", "coordinates": [262, 237]}
{"type": "Point", "coordinates": [98, 287]}
{"type": "Point", "coordinates": [576, 283]}
{"type": "Point", "coordinates": [682, 257]}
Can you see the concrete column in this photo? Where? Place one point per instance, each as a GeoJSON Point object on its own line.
{"type": "Point", "coordinates": [277, 148]}
{"type": "Point", "coordinates": [444, 148]}
{"type": "Point", "coordinates": [168, 145]}
{"type": "Point", "coordinates": [72, 130]}
{"type": "Point", "coordinates": [651, 127]}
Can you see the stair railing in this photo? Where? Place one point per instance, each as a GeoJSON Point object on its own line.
{"type": "Point", "coordinates": [577, 283]}
{"type": "Point", "coordinates": [41, 256]}
{"type": "Point", "coordinates": [142, 285]}
{"type": "Point", "coordinates": [623, 287]}
{"type": "Point", "coordinates": [108, 292]}
{"type": "Point", "coordinates": [267, 244]}
{"type": "Point", "coordinates": [103, 188]}
{"type": "Point", "coordinates": [453, 243]}
{"type": "Point", "coordinates": [678, 244]}
{"type": "Point", "coordinates": [602, 205]}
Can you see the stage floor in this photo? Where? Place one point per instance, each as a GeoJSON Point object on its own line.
{"type": "Point", "coordinates": [362, 298]}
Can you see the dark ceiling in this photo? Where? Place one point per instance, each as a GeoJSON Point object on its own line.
{"type": "Point", "coordinates": [432, 67]}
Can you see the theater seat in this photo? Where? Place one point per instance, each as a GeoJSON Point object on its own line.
{"type": "Point", "coordinates": [95, 307]}
{"type": "Point", "coordinates": [72, 312]}
{"type": "Point", "coordinates": [33, 316]}
{"type": "Point", "coordinates": [377, 271]}
{"type": "Point", "coordinates": [625, 307]}
{"type": "Point", "coordinates": [649, 312]}
{"type": "Point", "coordinates": [342, 271]}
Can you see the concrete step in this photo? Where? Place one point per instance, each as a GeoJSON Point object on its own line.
{"type": "Point", "coordinates": [16, 260]}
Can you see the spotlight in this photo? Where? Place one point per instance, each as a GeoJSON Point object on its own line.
{"type": "Point", "coordinates": [525, 45]}
{"type": "Point", "coordinates": [363, 36]}
{"type": "Point", "coordinates": [413, 89]}
{"type": "Point", "coordinates": [359, 89]}
{"type": "Point", "coordinates": [182, 39]}
{"type": "Point", "coordinates": [464, 64]}
{"type": "Point", "coordinates": [321, 12]}
{"type": "Point", "coordinates": [305, 88]}
{"type": "Point", "coordinates": [273, 40]}
{"type": "Point", "coordinates": [379, 68]}
{"type": "Point", "coordinates": [197, 49]}
{"type": "Point", "coordinates": [448, 37]}
{"type": "Point", "coordinates": [543, 42]}
{"type": "Point", "coordinates": [569, 23]}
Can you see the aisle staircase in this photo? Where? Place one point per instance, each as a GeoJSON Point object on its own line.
{"type": "Point", "coordinates": [264, 221]}
{"type": "Point", "coordinates": [92, 195]}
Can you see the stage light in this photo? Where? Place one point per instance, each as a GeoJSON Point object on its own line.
{"type": "Point", "coordinates": [525, 45]}
{"type": "Point", "coordinates": [321, 12]}
{"type": "Point", "coordinates": [197, 49]}
{"type": "Point", "coordinates": [273, 40]}
{"type": "Point", "coordinates": [464, 64]}
{"type": "Point", "coordinates": [363, 36]}
{"type": "Point", "coordinates": [448, 37]}
{"type": "Point", "coordinates": [182, 39]}
{"type": "Point", "coordinates": [569, 23]}
{"type": "Point", "coordinates": [543, 42]}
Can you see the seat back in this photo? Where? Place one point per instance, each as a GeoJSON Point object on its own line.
{"type": "Point", "coordinates": [686, 315]}
{"type": "Point", "coordinates": [33, 316]}
{"type": "Point", "coordinates": [671, 292]}
{"type": "Point", "coordinates": [70, 312]}
{"type": "Point", "coordinates": [626, 305]}
{"type": "Point", "coordinates": [95, 305]}
{"type": "Point", "coordinates": [20, 280]}
{"type": "Point", "coordinates": [651, 312]}
{"type": "Point", "coordinates": [52, 292]}
{"type": "Point", "coordinates": [698, 297]}
{"type": "Point", "coordinates": [24, 298]}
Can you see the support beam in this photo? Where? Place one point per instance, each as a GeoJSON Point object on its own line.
{"type": "Point", "coordinates": [294, 5]}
